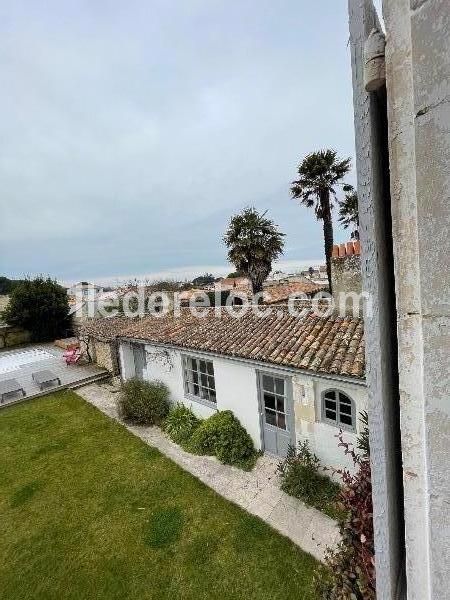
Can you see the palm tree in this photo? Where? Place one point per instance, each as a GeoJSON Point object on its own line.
{"type": "Point", "coordinates": [319, 175]}
{"type": "Point", "coordinates": [348, 213]}
{"type": "Point", "coordinates": [253, 242]}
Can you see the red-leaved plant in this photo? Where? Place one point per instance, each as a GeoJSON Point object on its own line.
{"type": "Point", "coordinates": [349, 571]}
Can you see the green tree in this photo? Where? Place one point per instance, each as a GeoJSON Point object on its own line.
{"type": "Point", "coordinates": [205, 279]}
{"type": "Point", "coordinates": [319, 175]}
{"type": "Point", "coordinates": [348, 213]}
{"type": "Point", "coordinates": [253, 242]}
{"type": "Point", "coordinates": [39, 305]}
{"type": "Point", "coordinates": [7, 285]}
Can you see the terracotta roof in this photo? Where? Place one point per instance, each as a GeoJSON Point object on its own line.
{"type": "Point", "coordinates": [333, 345]}
{"type": "Point", "coordinates": [280, 293]}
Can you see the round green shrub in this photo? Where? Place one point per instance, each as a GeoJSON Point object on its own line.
{"type": "Point", "coordinates": [143, 402]}
{"type": "Point", "coordinates": [180, 424]}
{"type": "Point", "coordinates": [222, 435]}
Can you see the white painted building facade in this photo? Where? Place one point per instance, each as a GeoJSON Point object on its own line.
{"type": "Point", "coordinates": [277, 406]}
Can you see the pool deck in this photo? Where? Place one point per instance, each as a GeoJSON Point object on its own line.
{"type": "Point", "coordinates": [71, 376]}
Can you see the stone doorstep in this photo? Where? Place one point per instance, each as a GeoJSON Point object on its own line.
{"type": "Point", "coordinates": [256, 491]}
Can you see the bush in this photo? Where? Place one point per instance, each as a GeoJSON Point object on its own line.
{"type": "Point", "coordinates": [40, 306]}
{"type": "Point", "coordinates": [301, 477]}
{"type": "Point", "coordinates": [180, 424]}
{"type": "Point", "coordinates": [349, 570]}
{"type": "Point", "coordinates": [223, 436]}
{"type": "Point", "coordinates": [143, 402]}
{"type": "Point", "coordinates": [363, 439]}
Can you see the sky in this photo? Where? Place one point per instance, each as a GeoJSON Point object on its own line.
{"type": "Point", "coordinates": [132, 131]}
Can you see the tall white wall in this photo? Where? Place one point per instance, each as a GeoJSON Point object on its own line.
{"type": "Point", "coordinates": [370, 122]}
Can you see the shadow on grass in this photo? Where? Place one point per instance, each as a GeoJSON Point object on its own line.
{"type": "Point", "coordinates": [165, 527]}
{"type": "Point", "coordinates": [25, 493]}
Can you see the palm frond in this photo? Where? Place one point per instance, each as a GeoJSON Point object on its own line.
{"type": "Point", "coordinates": [348, 210]}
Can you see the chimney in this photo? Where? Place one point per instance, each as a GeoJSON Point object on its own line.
{"type": "Point", "coordinates": [346, 276]}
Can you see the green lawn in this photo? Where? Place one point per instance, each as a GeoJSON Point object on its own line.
{"type": "Point", "coordinates": [88, 511]}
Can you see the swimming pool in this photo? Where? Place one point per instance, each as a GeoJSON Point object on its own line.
{"type": "Point", "coordinates": [12, 361]}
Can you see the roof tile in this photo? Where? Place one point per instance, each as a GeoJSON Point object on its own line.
{"type": "Point", "coordinates": [330, 344]}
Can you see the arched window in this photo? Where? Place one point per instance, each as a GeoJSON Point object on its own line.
{"type": "Point", "coordinates": [338, 409]}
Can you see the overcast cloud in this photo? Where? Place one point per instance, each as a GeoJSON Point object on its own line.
{"type": "Point", "coordinates": [132, 131]}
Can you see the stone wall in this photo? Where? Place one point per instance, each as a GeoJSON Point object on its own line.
{"type": "Point", "coordinates": [13, 336]}
{"type": "Point", "coordinates": [418, 84]}
{"type": "Point", "coordinates": [346, 276]}
{"type": "Point", "coordinates": [105, 355]}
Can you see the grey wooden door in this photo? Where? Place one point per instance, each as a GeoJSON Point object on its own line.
{"type": "Point", "coordinates": [140, 362]}
{"type": "Point", "coordinates": [276, 406]}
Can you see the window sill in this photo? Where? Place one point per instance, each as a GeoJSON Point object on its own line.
{"type": "Point", "coordinates": [201, 401]}
{"type": "Point", "coordinates": [345, 428]}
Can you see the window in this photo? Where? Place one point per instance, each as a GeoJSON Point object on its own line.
{"type": "Point", "coordinates": [338, 409]}
{"type": "Point", "coordinates": [199, 378]}
{"type": "Point", "coordinates": [274, 398]}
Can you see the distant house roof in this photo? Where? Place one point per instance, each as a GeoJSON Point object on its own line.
{"type": "Point", "coordinates": [191, 294]}
{"type": "Point", "coordinates": [234, 283]}
{"type": "Point", "coordinates": [280, 293]}
{"type": "Point", "coordinates": [329, 345]}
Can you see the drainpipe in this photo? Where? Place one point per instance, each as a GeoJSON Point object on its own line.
{"type": "Point", "coordinates": [374, 62]}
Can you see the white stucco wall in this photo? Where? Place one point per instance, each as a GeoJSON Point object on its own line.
{"type": "Point", "coordinates": [307, 392]}
{"type": "Point", "coordinates": [236, 385]}
{"type": "Point", "coordinates": [237, 390]}
{"type": "Point", "coordinates": [166, 365]}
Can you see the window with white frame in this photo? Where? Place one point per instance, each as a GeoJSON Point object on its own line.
{"type": "Point", "coordinates": [338, 409]}
{"type": "Point", "coordinates": [199, 378]}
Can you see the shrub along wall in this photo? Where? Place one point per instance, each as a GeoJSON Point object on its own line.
{"type": "Point", "coordinates": [220, 435]}
{"type": "Point", "coordinates": [143, 402]}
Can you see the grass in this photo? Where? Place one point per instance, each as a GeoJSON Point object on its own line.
{"type": "Point", "coordinates": [88, 511]}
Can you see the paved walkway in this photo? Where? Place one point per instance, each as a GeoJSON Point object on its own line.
{"type": "Point", "coordinates": [257, 491]}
